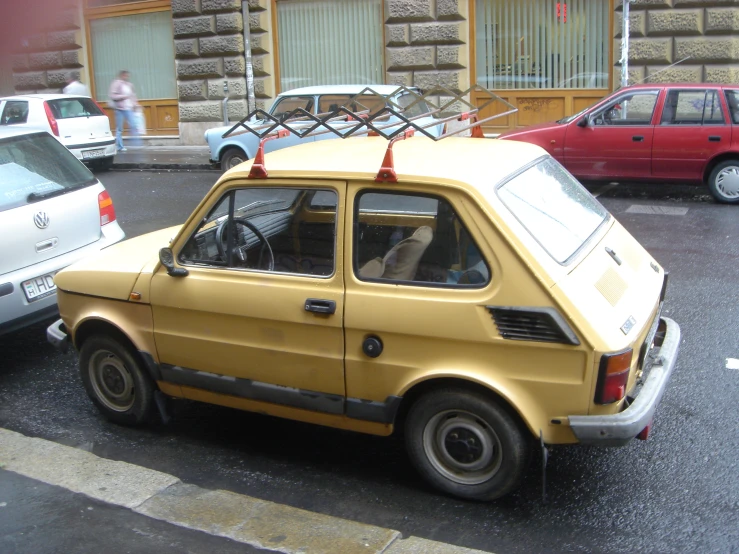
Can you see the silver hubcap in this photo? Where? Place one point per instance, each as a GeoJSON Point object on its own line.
{"type": "Point", "coordinates": [236, 160]}
{"type": "Point", "coordinates": [112, 381]}
{"type": "Point", "coordinates": [462, 447]}
{"type": "Point", "coordinates": [727, 182]}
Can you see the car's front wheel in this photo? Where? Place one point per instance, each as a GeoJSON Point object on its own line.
{"type": "Point", "coordinates": [466, 444]}
{"type": "Point", "coordinates": [724, 182]}
{"type": "Point", "coordinates": [115, 381]}
{"type": "Point", "coordinates": [232, 157]}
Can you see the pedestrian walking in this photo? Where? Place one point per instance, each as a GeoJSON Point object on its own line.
{"type": "Point", "coordinates": [74, 86]}
{"type": "Point", "coordinates": [123, 100]}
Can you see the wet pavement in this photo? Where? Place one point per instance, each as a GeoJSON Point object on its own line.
{"type": "Point", "coordinates": [676, 492]}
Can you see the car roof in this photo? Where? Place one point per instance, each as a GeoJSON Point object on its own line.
{"type": "Point", "coordinates": [677, 85]}
{"type": "Point", "coordinates": [338, 89]}
{"type": "Point", "coordinates": [42, 96]}
{"type": "Point", "coordinates": [473, 164]}
{"type": "Point", "coordinates": [7, 132]}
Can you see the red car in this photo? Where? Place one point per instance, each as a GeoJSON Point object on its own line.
{"type": "Point", "coordinates": [686, 133]}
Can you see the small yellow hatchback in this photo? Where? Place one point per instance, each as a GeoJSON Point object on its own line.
{"type": "Point", "coordinates": [471, 294]}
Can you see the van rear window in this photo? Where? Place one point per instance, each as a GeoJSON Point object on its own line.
{"type": "Point", "coordinates": [37, 166]}
{"type": "Point", "coordinates": [67, 108]}
{"type": "Point", "coordinates": [554, 207]}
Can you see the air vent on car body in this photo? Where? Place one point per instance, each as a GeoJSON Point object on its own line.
{"type": "Point", "coordinates": [532, 324]}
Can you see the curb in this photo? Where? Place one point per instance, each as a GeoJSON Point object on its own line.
{"type": "Point", "coordinates": [150, 166]}
{"type": "Point", "coordinates": [259, 523]}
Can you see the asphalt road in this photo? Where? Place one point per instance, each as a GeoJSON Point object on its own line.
{"type": "Point", "coordinates": [676, 492]}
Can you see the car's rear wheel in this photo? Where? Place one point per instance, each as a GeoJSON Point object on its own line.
{"type": "Point", "coordinates": [232, 157]}
{"type": "Point", "coordinates": [724, 182]}
{"type": "Point", "coordinates": [104, 164]}
{"type": "Point", "coordinates": [115, 381]}
{"type": "Point", "coordinates": [466, 444]}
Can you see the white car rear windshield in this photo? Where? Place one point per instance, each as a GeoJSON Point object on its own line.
{"type": "Point", "coordinates": [67, 108]}
{"type": "Point", "coordinates": [35, 167]}
{"type": "Point", "coordinates": [554, 207]}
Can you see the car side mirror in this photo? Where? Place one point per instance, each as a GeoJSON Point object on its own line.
{"type": "Point", "coordinates": [583, 121]}
{"type": "Point", "coordinates": [167, 258]}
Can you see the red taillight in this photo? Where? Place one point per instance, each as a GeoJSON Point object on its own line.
{"type": "Point", "coordinates": [107, 211]}
{"type": "Point", "coordinates": [613, 376]}
{"type": "Point", "coordinates": [51, 118]}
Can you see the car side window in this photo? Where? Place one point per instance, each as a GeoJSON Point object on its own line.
{"type": "Point", "coordinates": [732, 99]}
{"type": "Point", "coordinates": [692, 107]}
{"type": "Point", "coordinates": [268, 229]}
{"type": "Point", "coordinates": [632, 109]}
{"type": "Point", "coordinates": [289, 103]}
{"type": "Point", "coordinates": [366, 102]}
{"type": "Point", "coordinates": [15, 111]}
{"type": "Point", "coordinates": [414, 239]}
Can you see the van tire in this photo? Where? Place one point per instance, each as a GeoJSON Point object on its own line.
{"type": "Point", "coordinates": [724, 182]}
{"type": "Point", "coordinates": [115, 380]}
{"type": "Point", "coordinates": [466, 444]}
{"type": "Point", "coordinates": [232, 157]}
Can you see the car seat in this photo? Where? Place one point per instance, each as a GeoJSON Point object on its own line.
{"type": "Point", "coordinates": [401, 261]}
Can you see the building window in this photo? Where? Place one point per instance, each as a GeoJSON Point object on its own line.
{"type": "Point", "coordinates": [540, 44]}
{"type": "Point", "coordinates": [329, 42]}
{"type": "Point", "coordinates": [142, 44]}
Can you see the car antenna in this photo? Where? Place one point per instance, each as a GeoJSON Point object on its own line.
{"type": "Point", "coordinates": [661, 70]}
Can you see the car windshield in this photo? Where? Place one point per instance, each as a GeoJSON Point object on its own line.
{"type": "Point", "coordinates": [554, 207]}
{"type": "Point", "coordinates": [66, 108]}
{"type": "Point", "coordinates": [33, 167]}
{"type": "Point", "coordinates": [251, 202]}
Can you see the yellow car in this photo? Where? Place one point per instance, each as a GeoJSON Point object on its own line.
{"type": "Point", "coordinates": [472, 295]}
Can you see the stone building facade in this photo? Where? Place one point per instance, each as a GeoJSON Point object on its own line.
{"type": "Point", "coordinates": [426, 43]}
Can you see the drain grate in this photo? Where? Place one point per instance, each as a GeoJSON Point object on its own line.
{"type": "Point", "coordinates": [658, 210]}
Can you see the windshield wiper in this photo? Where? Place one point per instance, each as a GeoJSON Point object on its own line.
{"type": "Point", "coordinates": [36, 196]}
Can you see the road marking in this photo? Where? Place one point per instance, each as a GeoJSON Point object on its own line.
{"type": "Point", "coordinates": [604, 189]}
{"type": "Point", "coordinates": [657, 210]}
{"type": "Point", "coordinates": [732, 363]}
{"type": "Point", "coordinates": [259, 523]}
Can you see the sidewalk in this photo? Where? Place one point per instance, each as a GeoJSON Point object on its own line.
{"type": "Point", "coordinates": [164, 157]}
{"type": "Point", "coordinates": [56, 498]}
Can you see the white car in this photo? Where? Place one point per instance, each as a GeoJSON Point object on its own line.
{"type": "Point", "coordinates": [78, 122]}
{"type": "Point", "coordinates": [239, 147]}
{"type": "Point", "coordinates": [53, 212]}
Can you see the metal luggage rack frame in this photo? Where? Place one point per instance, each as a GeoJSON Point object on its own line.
{"type": "Point", "coordinates": [345, 123]}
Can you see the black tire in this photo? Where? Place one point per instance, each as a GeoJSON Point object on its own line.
{"type": "Point", "coordinates": [115, 381]}
{"type": "Point", "coordinates": [232, 157]}
{"type": "Point", "coordinates": [105, 164]}
{"type": "Point", "coordinates": [466, 444]}
{"type": "Point", "coordinates": [724, 182]}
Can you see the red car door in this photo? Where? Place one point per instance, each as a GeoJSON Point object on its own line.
{"type": "Point", "coordinates": [693, 128]}
{"type": "Point", "coordinates": [614, 141]}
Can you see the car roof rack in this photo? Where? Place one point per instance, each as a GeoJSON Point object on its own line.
{"type": "Point", "coordinates": [394, 121]}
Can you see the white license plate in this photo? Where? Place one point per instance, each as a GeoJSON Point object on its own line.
{"type": "Point", "coordinates": [39, 287]}
{"type": "Point", "coordinates": [99, 153]}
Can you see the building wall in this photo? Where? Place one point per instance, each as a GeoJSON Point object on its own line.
{"type": "Point", "coordinates": [663, 32]}
{"type": "Point", "coordinates": [209, 52]}
{"type": "Point", "coordinates": [427, 43]}
{"type": "Point", "coordinates": [43, 61]}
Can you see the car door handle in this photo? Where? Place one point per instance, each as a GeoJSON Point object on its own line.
{"type": "Point", "coordinates": [714, 138]}
{"type": "Point", "coordinates": [320, 306]}
{"type": "Point", "coordinates": [637, 138]}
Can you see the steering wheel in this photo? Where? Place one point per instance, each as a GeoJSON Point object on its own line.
{"type": "Point", "coordinates": [241, 249]}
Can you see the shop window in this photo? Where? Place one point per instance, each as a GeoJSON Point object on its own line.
{"type": "Point", "coordinates": [540, 44]}
{"type": "Point", "coordinates": [330, 42]}
{"type": "Point", "coordinates": [143, 44]}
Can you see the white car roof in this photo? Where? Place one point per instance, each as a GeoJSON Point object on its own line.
{"type": "Point", "coordinates": [338, 89]}
{"type": "Point", "coordinates": [42, 96]}
{"type": "Point", "coordinates": [6, 132]}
